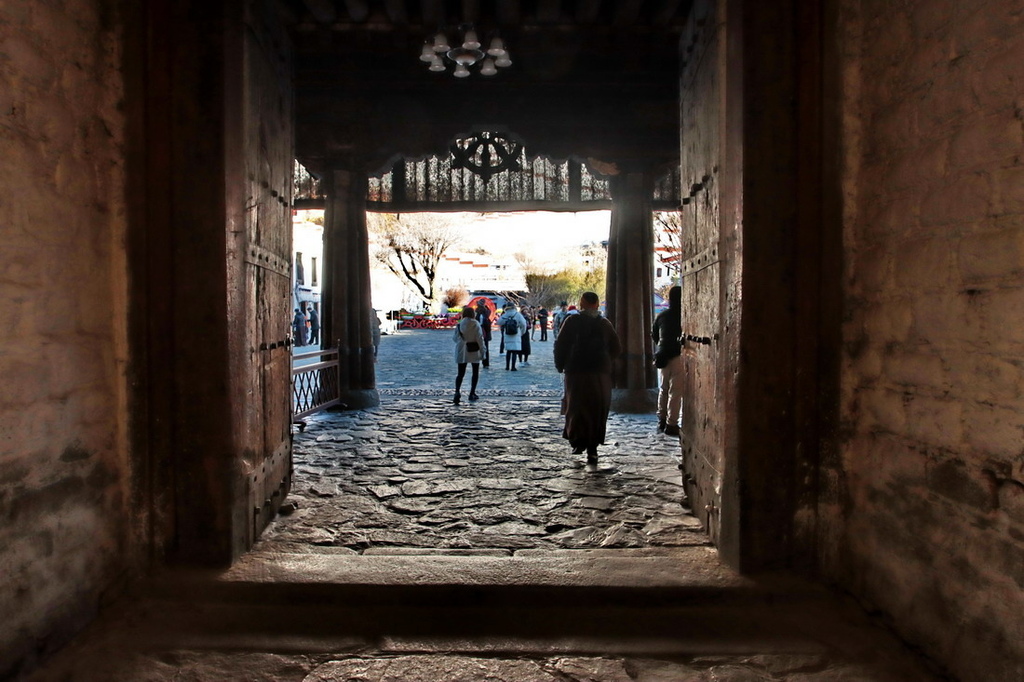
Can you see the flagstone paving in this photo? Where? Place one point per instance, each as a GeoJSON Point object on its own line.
{"type": "Point", "coordinates": [495, 475]}
{"type": "Point", "coordinates": [419, 475]}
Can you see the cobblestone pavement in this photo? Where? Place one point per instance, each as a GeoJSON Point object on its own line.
{"type": "Point", "coordinates": [760, 668]}
{"type": "Point", "coordinates": [420, 473]}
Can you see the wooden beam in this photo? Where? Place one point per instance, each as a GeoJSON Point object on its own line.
{"type": "Point", "coordinates": [626, 12]}
{"type": "Point", "coordinates": [396, 11]}
{"type": "Point", "coordinates": [549, 11]}
{"type": "Point", "coordinates": [477, 206]}
{"type": "Point", "coordinates": [587, 11]}
{"type": "Point", "coordinates": [358, 10]}
{"type": "Point", "coordinates": [508, 12]}
{"type": "Point", "coordinates": [322, 10]}
{"type": "Point", "coordinates": [285, 13]}
{"type": "Point", "coordinates": [432, 12]}
{"type": "Point", "coordinates": [665, 12]}
{"type": "Point", "coordinates": [471, 11]}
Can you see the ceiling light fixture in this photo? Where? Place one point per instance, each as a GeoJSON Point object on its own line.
{"type": "Point", "coordinates": [439, 54]}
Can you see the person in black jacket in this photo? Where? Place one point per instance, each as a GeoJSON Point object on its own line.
{"type": "Point", "coordinates": [483, 316]}
{"type": "Point", "coordinates": [666, 332]}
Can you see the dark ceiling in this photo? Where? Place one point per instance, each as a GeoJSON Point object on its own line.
{"type": "Point", "coordinates": [589, 78]}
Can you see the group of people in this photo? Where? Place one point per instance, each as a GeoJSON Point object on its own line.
{"type": "Point", "coordinates": [306, 326]}
{"type": "Point", "coordinates": [586, 345]}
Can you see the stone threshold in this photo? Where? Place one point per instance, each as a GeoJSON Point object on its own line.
{"type": "Point", "coordinates": [659, 567]}
{"type": "Point", "coordinates": [684, 577]}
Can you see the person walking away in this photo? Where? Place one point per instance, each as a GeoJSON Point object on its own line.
{"type": "Point", "coordinates": [559, 318]}
{"type": "Point", "coordinates": [469, 339]}
{"type": "Point", "coordinates": [585, 348]}
{"type": "Point", "coordinates": [542, 320]}
{"type": "Point", "coordinates": [483, 316]}
{"type": "Point", "coordinates": [667, 358]}
{"type": "Point", "coordinates": [512, 325]}
{"type": "Point", "coordinates": [299, 328]}
{"type": "Point", "coordinates": [314, 326]}
{"type": "Point", "coordinates": [524, 351]}
{"type": "Point", "coordinates": [374, 331]}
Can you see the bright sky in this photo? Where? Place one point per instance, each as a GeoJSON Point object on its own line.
{"type": "Point", "coordinates": [542, 235]}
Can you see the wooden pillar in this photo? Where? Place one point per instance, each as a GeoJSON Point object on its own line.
{"type": "Point", "coordinates": [631, 292]}
{"type": "Point", "coordinates": [346, 287]}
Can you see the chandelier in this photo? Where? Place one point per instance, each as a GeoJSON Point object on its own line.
{"type": "Point", "coordinates": [438, 53]}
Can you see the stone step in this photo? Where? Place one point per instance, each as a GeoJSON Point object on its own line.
{"type": "Point", "coordinates": [274, 614]}
{"type": "Point", "coordinates": [640, 601]}
{"type": "Point", "coordinates": [658, 577]}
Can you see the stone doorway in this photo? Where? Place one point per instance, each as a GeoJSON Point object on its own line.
{"type": "Point", "coordinates": [419, 475]}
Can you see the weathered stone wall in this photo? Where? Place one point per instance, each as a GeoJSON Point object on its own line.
{"type": "Point", "coordinates": [933, 376]}
{"type": "Point", "coordinates": [62, 297]}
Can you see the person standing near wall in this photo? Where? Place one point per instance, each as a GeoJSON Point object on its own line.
{"type": "Point", "coordinates": [585, 347]}
{"type": "Point", "coordinates": [374, 331]}
{"type": "Point", "coordinates": [299, 328]}
{"type": "Point", "coordinates": [666, 332]}
{"type": "Point", "coordinates": [469, 340]}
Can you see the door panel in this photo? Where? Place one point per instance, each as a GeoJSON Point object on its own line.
{"type": "Point", "coordinates": [701, 111]}
{"type": "Point", "coordinates": [269, 157]}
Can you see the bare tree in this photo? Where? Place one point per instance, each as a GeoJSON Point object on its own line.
{"type": "Point", "coordinates": [411, 246]}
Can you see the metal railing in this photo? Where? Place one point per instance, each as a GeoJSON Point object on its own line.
{"type": "Point", "coordinates": [315, 386]}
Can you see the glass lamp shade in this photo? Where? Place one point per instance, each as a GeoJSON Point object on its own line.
{"type": "Point", "coordinates": [503, 61]}
{"type": "Point", "coordinates": [497, 48]}
{"type": "Point", "coordinates": [465, 56]}
{"type": "Point", "coordinates": [470, 41]}
{"type": "Point", "coordinates": [437, 64]}
{"type": "Point", "coordinates": [427, 55]}
{"type": "Point", "coordinates": [488, 68]}
{"type": "Point", "coordinates": [441, 43]}
{"type": "Point", "coordinates": [461, 71]}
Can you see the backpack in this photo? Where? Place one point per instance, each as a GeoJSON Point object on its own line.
{"type": "Point", "coordinates": [510, 327]}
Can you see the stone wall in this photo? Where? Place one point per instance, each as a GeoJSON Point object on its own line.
{"type": "Point", "coordinates": [933, 374]}
{"type": "Point", "coordinates": [62, 297]}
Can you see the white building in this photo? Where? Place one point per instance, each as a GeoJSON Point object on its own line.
{"type": "Point", "coordinates": [480, 272]}
{"type": "Point", "coordinates": [307, 258]}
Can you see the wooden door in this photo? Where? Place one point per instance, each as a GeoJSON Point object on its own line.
{"type": "Point", "coordinates": [703, 423]}
{"type": "Point", "coordinates": [266, 271]}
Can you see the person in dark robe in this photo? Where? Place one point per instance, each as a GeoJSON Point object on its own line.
{"type": "Point", "coordinates": [524, 351]}
{"type": "Point", "coordinates": [299, 328]}
{"type": "Point", "coordinates": [585, 348]}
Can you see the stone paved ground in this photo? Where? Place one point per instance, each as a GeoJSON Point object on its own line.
{"type": "Point", "coordinates": [419, 472]}
{"type": "Point", "coordinates": [420, 475]}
